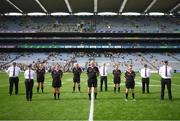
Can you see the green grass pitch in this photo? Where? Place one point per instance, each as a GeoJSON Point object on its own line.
{"type": "Point", "coordinates": [75, 106]}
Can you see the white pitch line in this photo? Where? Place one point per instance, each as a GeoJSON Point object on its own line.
{"type": "Point", "coordinates": [92, 105]}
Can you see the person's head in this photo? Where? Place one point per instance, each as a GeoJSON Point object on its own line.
{"type": "Point", "coordinates": [166, 62]}
{"type": "Point", "coordinates": [92, 64]}
{"type": "Point", "coordinates": [57, 67]}
{"type": "Point", "coordinates": [30, 66]}
{"type": "Point", "coordinates": [40, 66]}
{"type": "Point", "coordinates": [145, 66]}
{"type": "Point", "coordinates": [116, 66]}
{"type": "Point", "coordinates": [130, 68]}
{"type": "Point", "coordinates": [14, 64]}
{"type": "Point", "coordinates": [76, 65]}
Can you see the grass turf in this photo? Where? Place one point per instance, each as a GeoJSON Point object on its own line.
{"type": "Point", "coordinates": [75, 106]}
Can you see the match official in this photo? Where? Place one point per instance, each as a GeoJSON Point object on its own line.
{"type": "Point", "coordinates": [103, 73]}
{"type": "Point", "coordinates": [56, 74]}
{"type": "Point", "coordinates": [117, 78]}
{"type": "Point", "coordinates": [92, 73]}
{"type": "Point", "coordinates": [13, 73]}
{"type": "Point", "coordinates": [29, 76]}
{"type": "Point", "coordinates": [40, 77]}
{"type": "Point", "coordinates": [130, 82]}
{"type": "Point", "coordinates": [76, 76]}
{"type": "Point", "coordinates": [145, 74]}
{"type": "Point", "coordinates": [165, 72]}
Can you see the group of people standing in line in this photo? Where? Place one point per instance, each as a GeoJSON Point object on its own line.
{"type": "Point", "coordinates": [92, 73]}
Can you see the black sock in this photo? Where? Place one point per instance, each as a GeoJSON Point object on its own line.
{"type": "Point", "coordinates": [114, 89]}
{"type": "Point", "coordinates": [58, 95]}
{"type": "Point", "coordinates": [126, 95]}
{"type": "Point", "coordinates": [95, 94]}
{"type": "Point", "coordinates": [38, 89]}
{"type": "Point", "coordinates": [89, 96]}
{"type": "Point", "coordinates": [133, 95]}
{"type": "Point", "coordinates": [73, 89]}
{"type": "Point", "coordinates": [54, 95]}
{"type": "Point", "coordinates": [118, 89]}
{"type": "Point", "coordinates": [79, 88]}
{"type": "Point", "coordinates": [42, 89]}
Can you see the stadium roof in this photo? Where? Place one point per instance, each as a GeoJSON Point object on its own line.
{"type": "Point", "coordinates": [90, 6]}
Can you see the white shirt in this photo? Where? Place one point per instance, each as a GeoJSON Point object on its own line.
{"type": "Point", "coordinates": [147, 74]}
{"type": "Point", "coordinates": [16, 70]}
{"type": "Point", "coordinates": [162, 72]}
{"type": "Point", "coordinates": [103, 71]}
{"type": "Point", "coordinates": [31, 75]}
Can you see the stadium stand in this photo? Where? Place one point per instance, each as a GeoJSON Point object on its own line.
{"type": "Point", "coordinates": [100, 24]}
{"type": "Point", "coordinates": [154, 60]}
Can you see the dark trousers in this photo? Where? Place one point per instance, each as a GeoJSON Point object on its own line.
{"type": "Point", "coordinates": [145, 83]}
{"type": "Point", "coordinates": [103, 79]}
{"type": "Point", "coordinates": [168, 83]}
{"type": "Point", "coordinates": [29, 88]}
{"type": "Point", "coordinates": [12, 81]}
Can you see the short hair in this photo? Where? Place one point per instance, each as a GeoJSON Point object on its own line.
{"type": "Point", "coordinates": [30, 65]}
{"type": "Point", "coordinates": [166, 62]}
{"type": "Point", "coordinates": [14, 63]}
{"type": "Point", "coordinates": [145, 65]}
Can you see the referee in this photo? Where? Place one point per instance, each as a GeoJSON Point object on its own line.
{"type": "Point", "coordinates": [76, 76]}
{"type": "Point", "coordinates": [13, 73]}
{"type": "Point", "coordinates": [92, 73]}
{"type": "Point", "coordinates": [29, 76]}
{"type": "Point", "coordinates": [40, 77]}
{"type": "Point", "coordinates": [130, 82]}
{"type": "Point", "coordinates": [165, 72]}
{"type": "Point", "coordinates": [117, 78]}
{"type": "Point", "coordinates": [145, 74]}
{"type": "Point", "coordinates": [56, 74]}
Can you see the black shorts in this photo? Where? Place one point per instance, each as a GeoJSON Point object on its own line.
{"type": "Point", "coordinates": [117, 81]}
{"type": "Point", "coordinates": [130, 85]}
{"type": "Point", "coordinates": [76, 80]}
{"type": "Point", "coordinates": [92, 83]}
{"type": "Point", "coordinates": [41, 79]}
{"type": "Point", "coordinates": [56, 83]}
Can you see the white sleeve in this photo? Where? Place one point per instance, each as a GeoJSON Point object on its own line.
{"type": "Point", "coordinates": [140, 72]}
{"type": "Point", "coordinates": [160, 71]}
{"type": "Point", "coordinates": [25, 74]}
